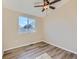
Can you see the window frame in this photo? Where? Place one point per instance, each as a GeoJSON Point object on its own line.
{"type": "Point", "coordinates": [28, 18]}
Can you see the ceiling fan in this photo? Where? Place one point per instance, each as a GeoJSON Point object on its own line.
{"type": "Point", "coordinates": [47, 4]}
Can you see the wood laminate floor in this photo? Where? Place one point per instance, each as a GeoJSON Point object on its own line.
{"type": "Point", "coordinates": [34, 50]}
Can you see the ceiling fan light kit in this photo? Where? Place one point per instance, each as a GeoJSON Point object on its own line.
{"type": "Point", "coordinates": [47, 4]}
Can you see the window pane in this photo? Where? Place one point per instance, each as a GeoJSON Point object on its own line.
{"type": "Point", "coordinates": [22, 21]}
{"type": "Point", "coordinates": [26, 24]}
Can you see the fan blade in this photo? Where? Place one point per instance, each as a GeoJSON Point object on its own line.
{"type": "Point", "coordinates": [43, 10]}
{"type": "Point", "coordinates": [54, 1]}
{"type": "Point", "coordinates": [51, 7]}
{"type": "Point", "coordinates": [39, 6]}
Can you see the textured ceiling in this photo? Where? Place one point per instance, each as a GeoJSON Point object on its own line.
{"type": "Point", "coordinates": [26, 6]}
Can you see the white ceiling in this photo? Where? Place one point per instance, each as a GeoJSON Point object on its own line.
{"type": "Point", "coordinates": [27, 6]}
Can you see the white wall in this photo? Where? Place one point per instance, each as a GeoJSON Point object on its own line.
{"type": "Point", "coordinates": [60, 27]}
{"type": "Point", "coordinates": [11, 37]}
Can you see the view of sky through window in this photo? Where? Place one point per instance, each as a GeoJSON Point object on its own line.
{"type": "Point", "coordinates": [26, 24]}
{"type": "Point", "coordinates": [22, 21]}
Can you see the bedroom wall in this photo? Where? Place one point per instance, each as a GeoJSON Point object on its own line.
{"type": "Point", "coordinates": [11, 37]}
{"type": "Point", "coordinates": [60, 27]}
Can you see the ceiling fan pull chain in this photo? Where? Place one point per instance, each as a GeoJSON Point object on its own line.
{"type": "Point", "coordinates": [46, 12]}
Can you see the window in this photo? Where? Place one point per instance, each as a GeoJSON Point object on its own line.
{"type": "Point", "coordinates": [26, 24]}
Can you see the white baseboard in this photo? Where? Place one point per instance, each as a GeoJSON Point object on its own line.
{"type": "Point", "coordinates": [61, 47]}
{"type": "Point", "coordinates": [21, 46]}
{"type": "Point", "coordinates": [42, 41]}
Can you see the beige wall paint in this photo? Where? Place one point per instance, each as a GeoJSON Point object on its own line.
{"type": "Point", "coordinates": [60, 27]}
{"type": "Point", "coordinates": [11, 37]}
